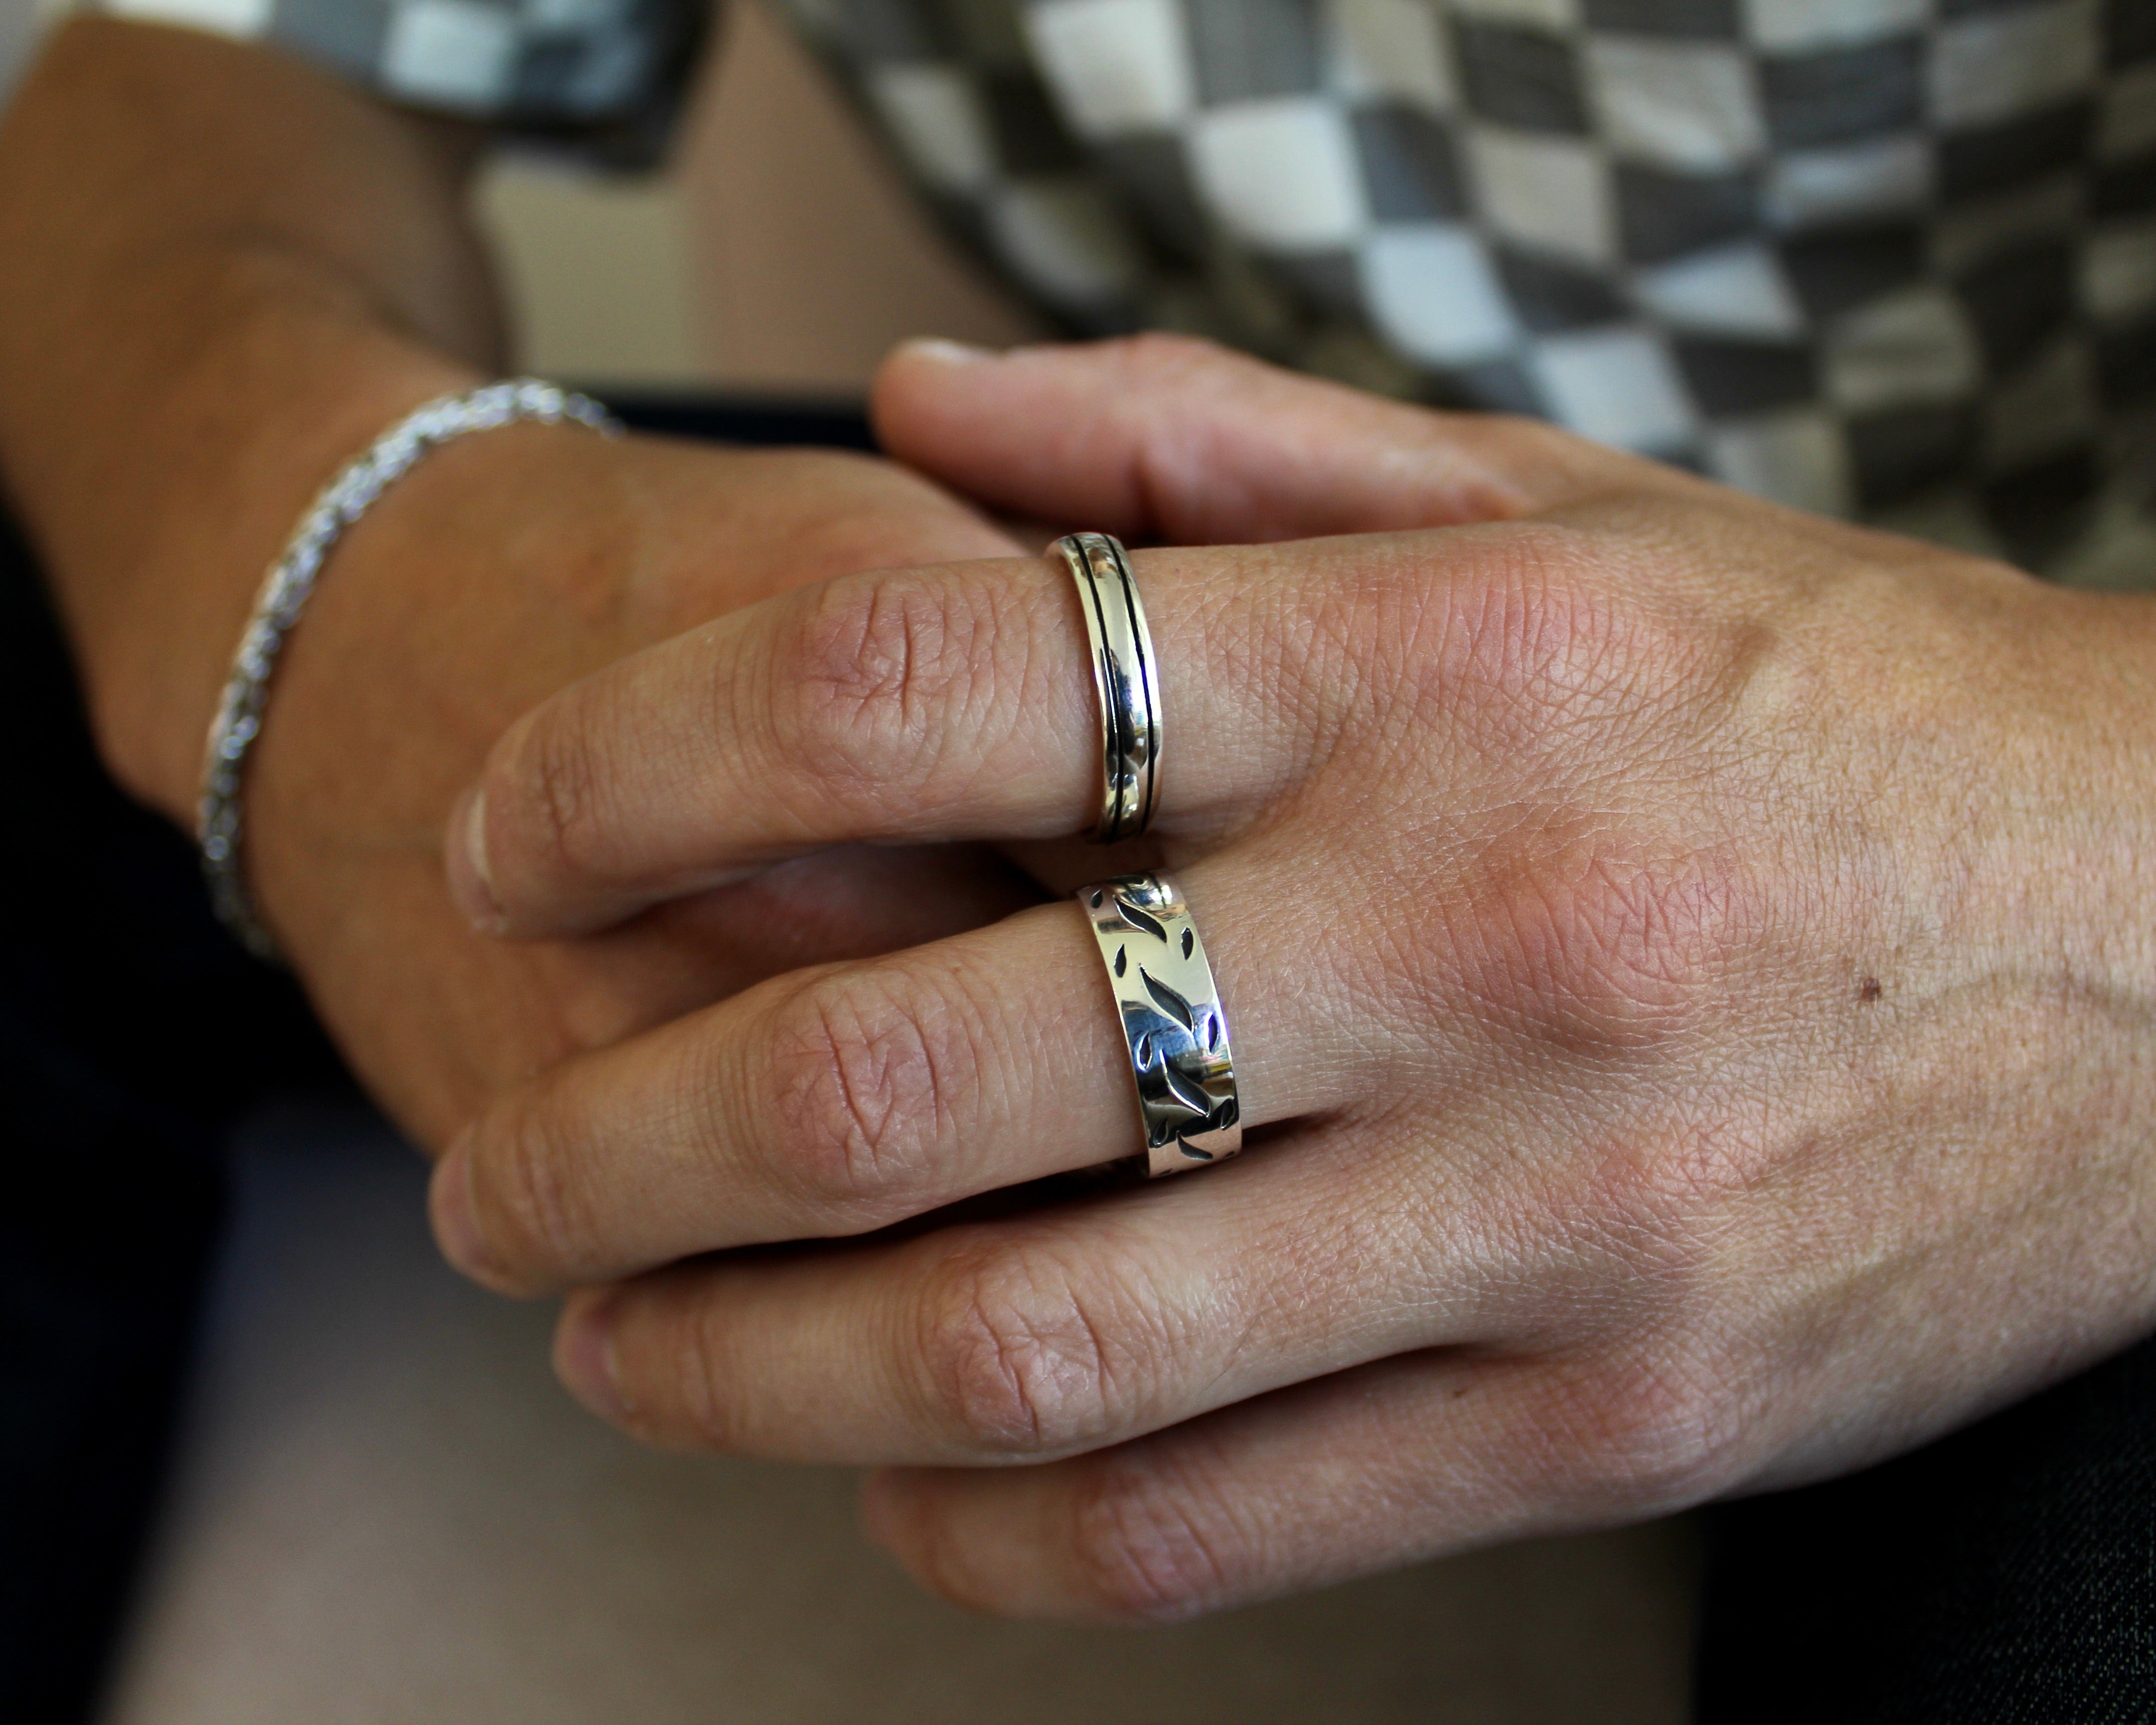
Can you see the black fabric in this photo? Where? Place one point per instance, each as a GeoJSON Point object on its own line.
{"type": "Point", "coordinates": [130, 1032]}
{"type": "Point", "coordinates": [2006, 1575]}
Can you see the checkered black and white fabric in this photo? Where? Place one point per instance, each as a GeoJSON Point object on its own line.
{"type": "Point", "coordinates": [1887, 257]}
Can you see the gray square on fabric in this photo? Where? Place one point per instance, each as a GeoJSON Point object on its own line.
{"type": "Point", "coordinates": [1729, 379]}
{"type": "Point", "coordinates": [547, 72]}
{"type": "Point", "coordinates": [1410, 165]}
{"type": "Point", "coordinates": [1332, 281]}
{"type": "Point", "coordinates": [1547, 295]}
{"type": "Point", "coordinates": [1662, 215]}
{"type": "Point", "coordinates": [2027, 148]}
{"type": "Point", "coordinates": [1834, 270]}
{"type": "Point", "coordinates": [892, 30]}
{"type": "Point", "coordinates": [1155, 173]}
{"type": "Point", "coordinates": [1710, 20]}
{"type": "Point", "coordinates": [2039, 509]}
{"type": "Point", "coordinates": [2126, 366]}
{"type": "Point", "coordinates": [349, 34]}
{"type": "Point", "coordinates": [2018, 302]}
{"type": "Point", "coordinates": [1244, 49]}
{"type": "Point", "coordinates": [1521, 78]}
{"type": "Point", "coordinates": [1899, 454]}
{"type": "Point", "coordinates": [2129, 32]}
{"type": "Point", "coordinates": [1502, 386]}
{"type": "Point", "coordinates": [986, 31]}
{"type": "Point", "coordinates": [1029, 138]}
{"type": "Point", "coordinates": [1843, 94]}
{"type": "Point", "coordinates": [2124, 188]}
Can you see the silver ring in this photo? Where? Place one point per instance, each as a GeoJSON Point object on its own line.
{"type": "Point", "coordinates": [1172, 1018]}
{"type": "Point", "coordinates": [1126, 679]}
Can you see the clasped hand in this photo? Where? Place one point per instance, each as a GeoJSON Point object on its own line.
{"type": "Point", "coordinates": [1689, 963]}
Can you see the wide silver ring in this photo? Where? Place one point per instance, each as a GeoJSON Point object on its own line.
{"type": "Point", "coordinates": [1172, 1019]}
{"type": "Point", "coordinates": [1126, 680]}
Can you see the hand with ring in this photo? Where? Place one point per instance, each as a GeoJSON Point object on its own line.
{"type": "Point", "coordinates": [1690, 969]}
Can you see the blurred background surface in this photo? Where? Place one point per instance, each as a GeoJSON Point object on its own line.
{"type": "Point", "coordinates": [774, 253]}
{"type": "Point", "coordinates": [386, 1511]}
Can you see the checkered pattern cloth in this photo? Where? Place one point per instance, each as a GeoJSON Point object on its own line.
{"type": "Point", "coordinates": [1894, 259]}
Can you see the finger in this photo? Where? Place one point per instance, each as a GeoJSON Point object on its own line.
{"type": "Point", "coordinates": [917, 705]}
{"type": "Point", "coordinates": [1051, 1334]}
{"type": "Point", "coordinates": [1396, 1463]}
{"type": "Point", "coordinates": [862, 1095]}
{"type": "Point", "coordinates": [1169, 437]}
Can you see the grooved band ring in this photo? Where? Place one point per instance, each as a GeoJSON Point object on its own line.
{"type": "Point", "coordinates": [1125, 678]}
{"type": "Point", "coordinates": [1172, 1019]}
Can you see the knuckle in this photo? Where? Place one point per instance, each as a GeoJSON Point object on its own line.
{"type": "Point", "coordinates": [701, 1386]}
{"type": "Point", "coordinates": [1663, 1426]}
{"type": "Point", "coordinates": [865, 1073]}
{"type": "Point", "coordinates": [1611, 941]}
{"type": "Point", "coordinates": [872, 677]}
{"type": "Point", "coordinates": [554, 794]}
{"type": "Point", "coordinates": [1012, 1355]}
{"type": "Point", "coordinates": [531, 1208]}
{"type": "Point", "coordinates": [1153, 1546]}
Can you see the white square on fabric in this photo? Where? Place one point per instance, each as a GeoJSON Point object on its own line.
{"type": "Point", "coordinates": [1802, 26]}
{"type": "Point", "coordinates": [1548, 14]}
{"type": "Point", "coordinates": [1889, 176]}
{"type": "Point", "coordinates": [1390, 48]}
{"type": "Point", "coordinates": [1281, 172]}
{"type": "Point", "coordinates": [1731, 290]}
{"type": "Point", "coordinates": [221, 17]}
{"type": "Point", "coordinates": [1115, 66]}
{"type": "Point", "coordinates": [2118, 271]}
{"type": "Point", "coordinates": [2047, 407]}
{"type": "Point", "coordinates": [1998, 64]}
{"type": "Point", "coordinates": [1683, 104]}
{"type": "Point", "coordinates": [453, 52]}
{"type": "Point", "coordinates": [2127, 124]}
{"type": "Point", "coordinates": [1551, 192]}
{"type": "Point", "coordinates": [1798, 458]}
{"type": "Point", "coordinates": [934, 114]}
{"type": "Point", "coordinates": [1065, 240]}
{"type": "Point", "coordinates": [1432, 293]}
{"type": "Point", "coordinates": [1617, 387]}
{"type": "Point", "coordinates": [1912, 349]}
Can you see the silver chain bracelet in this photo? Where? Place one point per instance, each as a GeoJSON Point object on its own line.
{"type": "Point", "coordinates": [292, 581]}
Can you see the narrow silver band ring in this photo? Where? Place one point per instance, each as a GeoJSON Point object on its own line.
{"type": "Point", "coordinates": [1126, 679]}
{"type": "Point", "coordinates": [1172, 1019]}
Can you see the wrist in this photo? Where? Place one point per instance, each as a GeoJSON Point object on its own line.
{"type": "Point", "coordinates": [2057, 846]}
{"type": "Point", "coordinates": [241, 443]}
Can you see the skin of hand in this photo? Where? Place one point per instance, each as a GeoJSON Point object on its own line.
{"type": "Point", "coordinates": [222, 276]}
{"type": "Point", "coordinates": [1689, 965]}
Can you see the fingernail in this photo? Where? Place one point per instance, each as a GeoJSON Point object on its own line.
{"type": "Point", "coordinates": [471, 883]}
{"type": "Point", "coordinates": [584, 1356]}
{"type": "Point", "coordinates": [940, 351]}
{"type": "Point", "coordinates": [449, 1207]}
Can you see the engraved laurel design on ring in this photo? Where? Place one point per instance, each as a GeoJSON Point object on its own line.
{"type": "Point", "coordinates": [1172, 1019]}
{"type": "Point", "coordinates": [1125, 683]}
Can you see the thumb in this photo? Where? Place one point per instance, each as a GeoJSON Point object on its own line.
{"type": "Point", "coordinates": [1168, 438]}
